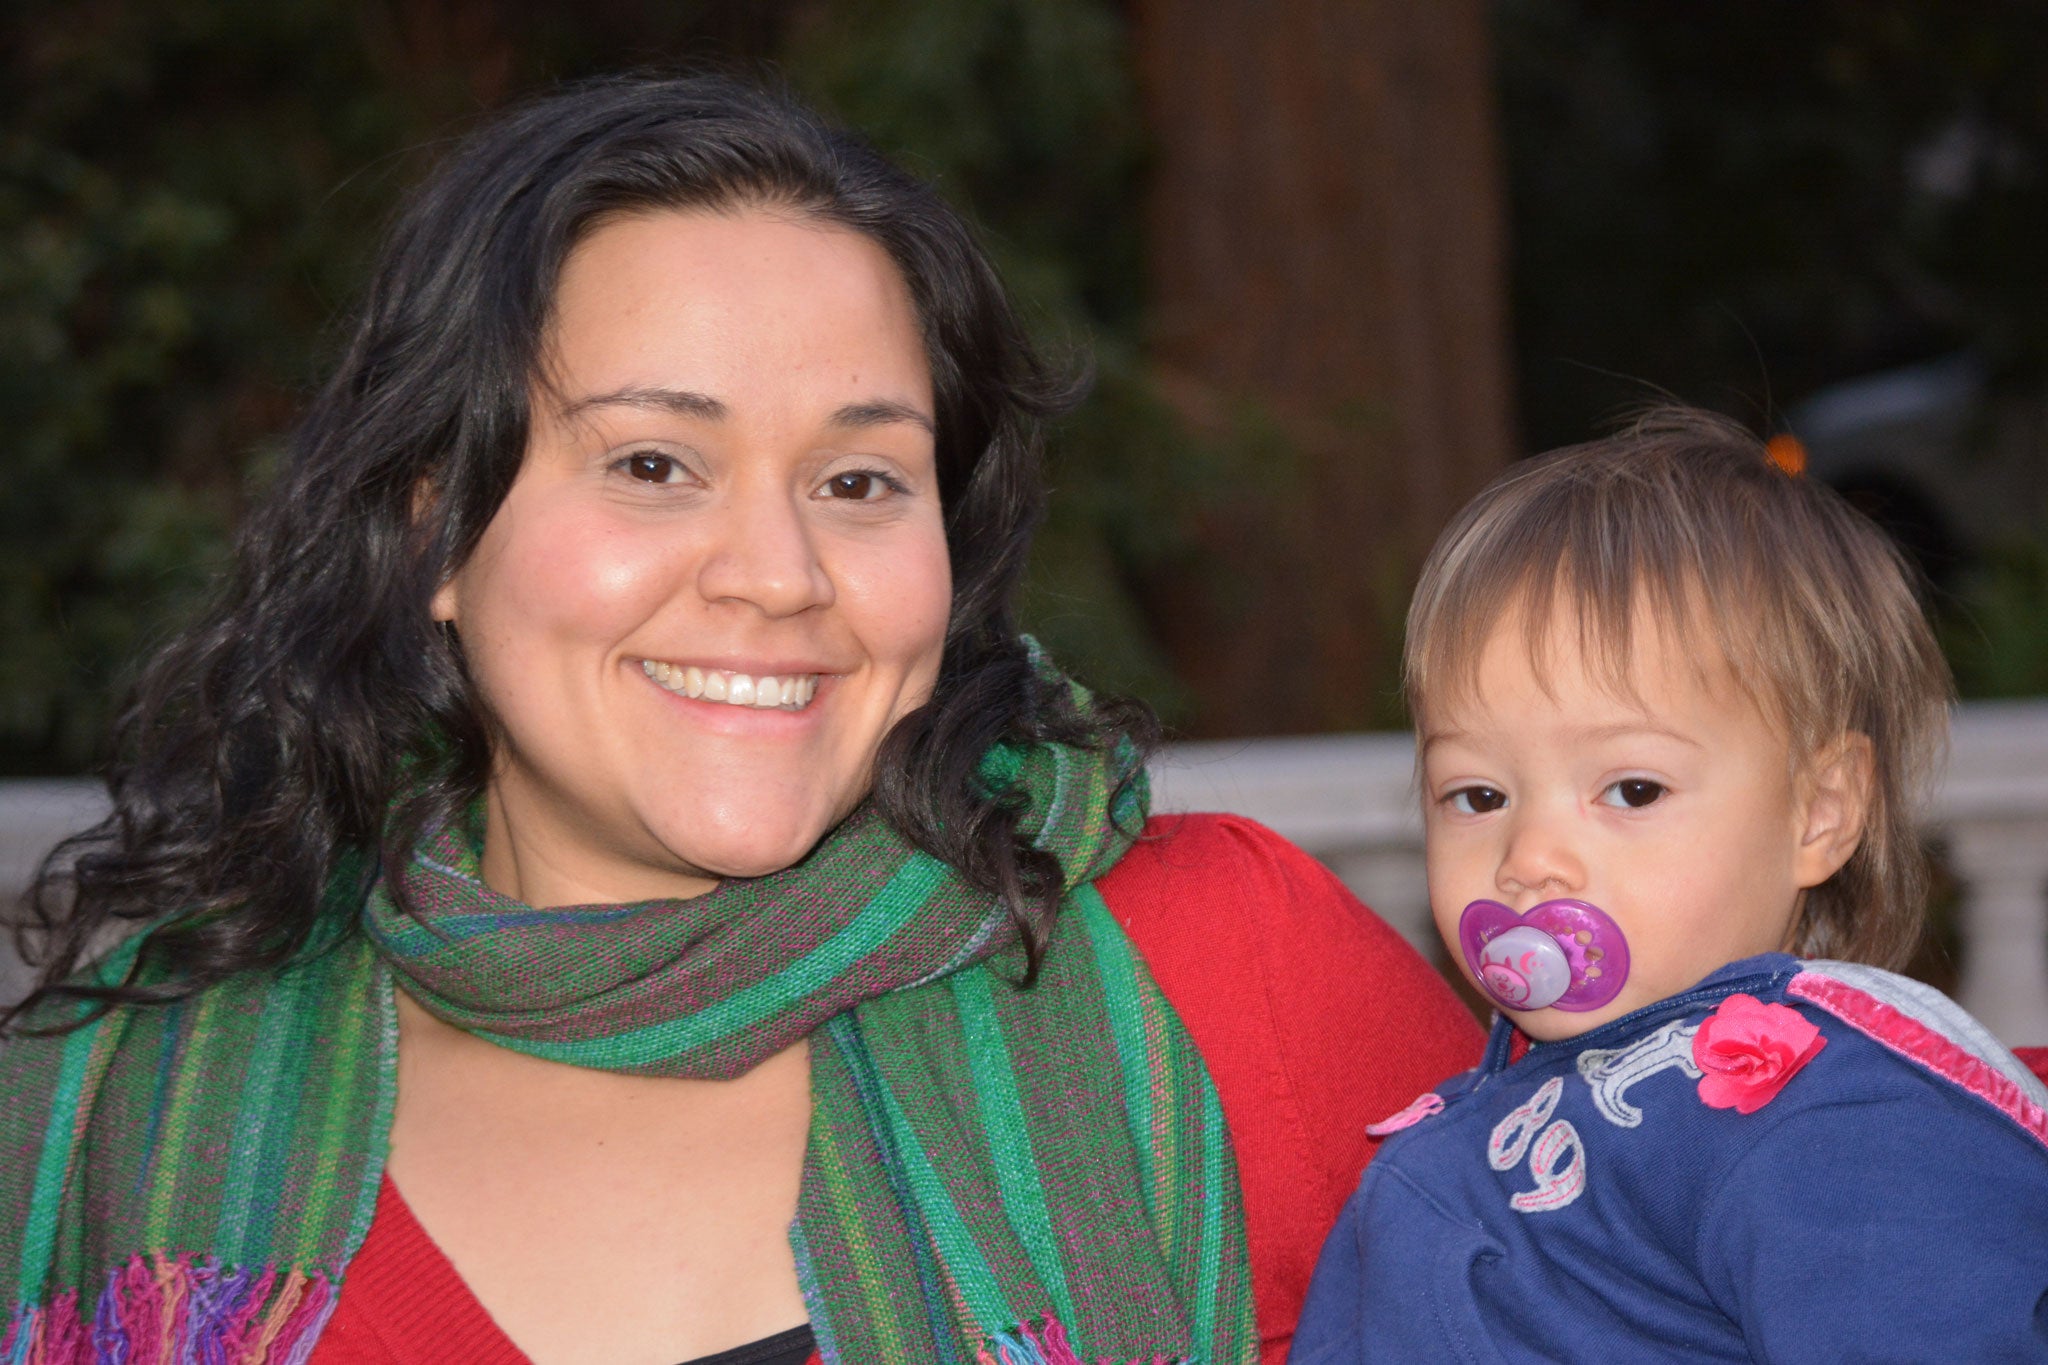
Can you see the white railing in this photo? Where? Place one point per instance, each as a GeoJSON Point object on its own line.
{"type": "Point", "coordinates": [1349, 800]}
{"type": "Point", "coordinates": [34, 815]}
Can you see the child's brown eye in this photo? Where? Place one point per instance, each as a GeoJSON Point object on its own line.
{"type": "Point", "coordinates": [1477, 800]}
{"type": "Point", "coordinates": [1633, 792]}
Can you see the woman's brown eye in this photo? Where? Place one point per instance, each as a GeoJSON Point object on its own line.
{"type": "Point", "coordinates": [859, 487]}
{"type": "Point", "coordinates": [649, 468]}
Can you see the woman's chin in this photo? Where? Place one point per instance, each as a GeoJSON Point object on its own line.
{"type": "Point", "coordinates": [748, 852]}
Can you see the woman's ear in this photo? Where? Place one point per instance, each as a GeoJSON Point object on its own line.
{"type": "Point", "coordinates": [442, 604]}
{"type": "Point", "coordinates": [1834, 804]}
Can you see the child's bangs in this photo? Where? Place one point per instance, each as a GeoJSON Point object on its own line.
{"type": "Point", "coordinates": [1598, 562]}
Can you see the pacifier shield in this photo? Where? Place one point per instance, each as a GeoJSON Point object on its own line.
{"type": "Point", "coordinates": [1563, 954]}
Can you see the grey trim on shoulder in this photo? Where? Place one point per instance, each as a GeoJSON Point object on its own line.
{"type": "Point", "coordinates": [1928, 1007]}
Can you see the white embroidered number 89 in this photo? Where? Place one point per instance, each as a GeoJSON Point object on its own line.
{"type": "Point", "coordinates": [1557, 1184]}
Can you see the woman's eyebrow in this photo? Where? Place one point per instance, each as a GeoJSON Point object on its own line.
{"type": "Point", "coordinates": [875, 412]}
{"type": "Point", "coordinates": [879, 412]}
{"type": "Point", "coordinates": [681, 402]}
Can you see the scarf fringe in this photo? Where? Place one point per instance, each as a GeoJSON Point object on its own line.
{"type": "Point", "coordinates": [1045, 1343]}
{"type": "Point", "coordinates": [166, 1310]}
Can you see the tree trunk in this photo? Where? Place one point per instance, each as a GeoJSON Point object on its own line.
{"type": "Point", "coordinates": [1328, 298]}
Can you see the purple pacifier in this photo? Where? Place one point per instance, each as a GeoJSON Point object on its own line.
{"type": "Point", "coordinates": [1562, 954]}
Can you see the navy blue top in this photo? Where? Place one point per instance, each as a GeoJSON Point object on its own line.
{"type": "Point", "coordinates": [1890, 1203]}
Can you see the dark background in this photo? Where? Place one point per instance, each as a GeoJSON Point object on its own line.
{"type": "Point", "coordinates": [1336, 263]}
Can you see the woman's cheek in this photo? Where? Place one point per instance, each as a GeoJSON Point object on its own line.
{"type": "Point", "coordinates": [910, 594]}
{"type": "Point", "coordinates": [593, 576]}
{"type": "Point", "coordinates": [929, 629]}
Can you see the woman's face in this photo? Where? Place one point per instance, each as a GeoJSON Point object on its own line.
{"type": "Point", "coordinates": [729, 499]}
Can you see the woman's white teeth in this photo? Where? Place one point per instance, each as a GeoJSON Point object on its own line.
{"type": "Point", "coordinates": [766, 692]}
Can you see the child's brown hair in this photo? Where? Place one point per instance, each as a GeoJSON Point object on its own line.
{"type": "Point", "coordinates": [1812, 607]}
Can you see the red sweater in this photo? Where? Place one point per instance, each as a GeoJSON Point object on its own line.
{"type": "Point", "coordinates": [1314, 1018]}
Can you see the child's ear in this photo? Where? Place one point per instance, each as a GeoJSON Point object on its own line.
{"type": "Point", "coordinates": [1835, 802]}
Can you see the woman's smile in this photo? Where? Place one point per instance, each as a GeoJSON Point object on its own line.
{"type": "Point", "coordinates": [762, 690]}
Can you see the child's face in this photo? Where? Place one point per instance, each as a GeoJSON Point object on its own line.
{"type": "Point", "coordinates": [1678, 811]}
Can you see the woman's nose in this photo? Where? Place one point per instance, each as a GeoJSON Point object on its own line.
{"type": "Point", "coordinates": [765, 555]}
{"type": "Point", "coordinates": [1539, 859]}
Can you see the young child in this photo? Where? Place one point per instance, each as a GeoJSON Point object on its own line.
{"type": "Point", "coordinates": [1672, 705]}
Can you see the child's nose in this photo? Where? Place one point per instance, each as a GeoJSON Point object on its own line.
{"type": "Point", "coordinates": [1539, 861]}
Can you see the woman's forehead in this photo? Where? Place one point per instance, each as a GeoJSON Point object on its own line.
{"type": "Point", "coordinates": [729, 305]}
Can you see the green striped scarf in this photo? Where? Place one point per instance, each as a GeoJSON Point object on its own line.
{"type": "Point", "coordinates": [993, 1173]}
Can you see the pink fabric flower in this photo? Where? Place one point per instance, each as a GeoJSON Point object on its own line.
{"type": "Point", "coordinates": [1748, 1051]}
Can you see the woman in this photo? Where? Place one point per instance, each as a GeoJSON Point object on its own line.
{"type": "Point", "coordinates": [615, 884]}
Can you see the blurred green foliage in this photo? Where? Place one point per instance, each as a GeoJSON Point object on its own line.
{"type": "Point", "coordinates": [190, 193]}
{"type": "Point", "coordinates": [1995, 633]}
{"type": "Point", "coordinates": [172, 239]}
{"type": "Point", "coordinates": [1718, 199]}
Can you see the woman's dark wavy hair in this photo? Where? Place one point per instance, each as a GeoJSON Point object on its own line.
{"type": "Point", "coordinates": [316, 720]}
